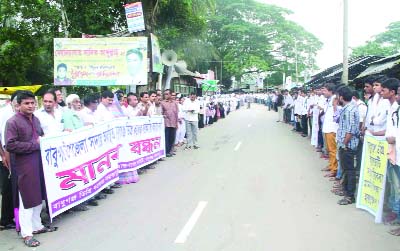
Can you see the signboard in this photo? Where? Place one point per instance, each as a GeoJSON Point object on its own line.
{"type": "Point", "coordinates": [372, 182]}
{"type": "Point", "coordinates": [210, 85]}
{"type": "Point", "coordinates": [134, 17]}
{"type": "Point", "coordinates": [100, 61]}
{"type": "Point", "coordinates": [156, 53]}
{"type": "Point", "coordinates": [78, 165]}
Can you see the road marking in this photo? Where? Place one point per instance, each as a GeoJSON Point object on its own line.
{"type": "Point", "coordinates": [238, 146]}
{"type": "Point", "coordinates": [183, 235]}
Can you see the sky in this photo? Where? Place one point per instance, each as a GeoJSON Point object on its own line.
{"type": "Point", "coordinates": [324, 19]}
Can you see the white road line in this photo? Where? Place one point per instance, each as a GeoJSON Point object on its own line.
{"type": "Point", "coordinates": [238, 146]}
{"type": "Point", "coordinates": [183, 235]}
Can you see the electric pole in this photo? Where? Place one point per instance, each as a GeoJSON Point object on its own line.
{"type": "Point", "coordinates": [345, 75]}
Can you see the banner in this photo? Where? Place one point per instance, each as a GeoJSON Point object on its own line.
{"type": "Point", "coordinates": [100, 61]}
{"type": "Point", "coordinates": [155, 50]}
{"type": "Point", "coordinates": [371, 188]}
{"type": "Point", "coordinates": [78, 165]}
{"type": "Point", "coordinates": [134, 17]}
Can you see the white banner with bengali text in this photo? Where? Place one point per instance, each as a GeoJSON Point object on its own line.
{"type": "Point", "coordinates": [78, 165]}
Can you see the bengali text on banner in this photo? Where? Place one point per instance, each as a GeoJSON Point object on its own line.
{"type": "Point", "coordinates": [78, 165]}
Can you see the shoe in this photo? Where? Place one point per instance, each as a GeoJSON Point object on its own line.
{"type": "Point", "coordinates": [196, 147]}
{"type": "Point", "coordinates": [80, 208]}
{"type": "Point", "coordinates": [150, 167]}
{"type": "Point", "coordinates": [141, 171]}
{"type": "Point", "coordinates": [93, 203]}
{"type": "Point", "coordinates": [188, 148]}
{"type": "Point", "coordinates": [7, 227]}
{"type": "Point", "coordinates": [100, 196]}
{"type": "Point", "coordinates": [108, 191]}
{"type": "Point", "coordinates": [162, 159]}
{"type": "Point", "coordinates": [173, 153]}
{"type": "Point", "coordinates": [116, 186]}
{"type": "Point", "coordinates": [169, 155]}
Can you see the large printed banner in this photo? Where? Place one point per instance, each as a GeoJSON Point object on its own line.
{"type": "Point", "coordinates": [100, 61]}
{"type": "Point", "coordinates": [156, 53]}
{"type": "Point", "coordinates": [371, 187]}
{"type": "Point", "coordinates": [80, 164]}
{"type": "Point", "coordinates": [134, 17]}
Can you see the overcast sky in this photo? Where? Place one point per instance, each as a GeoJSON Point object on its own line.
{"type": "Point", "coordinates": [324, 18]}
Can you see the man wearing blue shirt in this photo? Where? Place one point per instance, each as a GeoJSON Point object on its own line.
{"type": "Point", "coordinates": [347, 140]}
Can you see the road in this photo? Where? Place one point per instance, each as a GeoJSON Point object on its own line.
{"type": "Point", "coordinates": [252, 186]}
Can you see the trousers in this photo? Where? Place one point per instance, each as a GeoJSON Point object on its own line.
{"type": "Point", "coordinates": [346, 158]}
{"type": "Point", "coordinates": [192, 130]}
{"type": "Point", "coordinates": [29, 219]}
{"type": "Point", "coordinates": [170, 133]}
{"type": "Point", "coordinates": [331, 147]}
{"type": "Point", "coordinates": [7, 209]}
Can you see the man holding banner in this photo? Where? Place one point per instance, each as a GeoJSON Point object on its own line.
{"type": "Point", "coordinates": [22, 140]}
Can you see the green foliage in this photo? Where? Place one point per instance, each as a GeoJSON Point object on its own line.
{"type": "Point", "coordinates": [253, 37]}
{"type": "Point", "coordinates": [384, 44]}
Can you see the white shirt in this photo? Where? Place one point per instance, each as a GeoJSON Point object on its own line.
{"type": "Point", "coordinates": [103, 114]}
{"type": "Point", "coordinates": [50, 124]}
{"type": "Point", "coordinates": [287, 101]}
{"type": "Point", "coordinates": [190, 105]}
{"type": "Point", "coordinates": [131, 111]}
{"type": "Point", "coordinates": [330, 125]}
{"type": "Point", "coordinates": [298, 105]}
{"type": "Point", "coordinates": [378, 110]}
{"type": "Point", "coordinates": [392, 120]}
{"type": "Point", "coordinates": [5, 114]}
{"type": "Point", "coordinates": [87, 116]}
{"type": "Point", "coordinates": [362, 110]}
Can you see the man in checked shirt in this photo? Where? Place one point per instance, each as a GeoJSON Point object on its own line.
{"type": "Point", "coordinates": [347, 140]}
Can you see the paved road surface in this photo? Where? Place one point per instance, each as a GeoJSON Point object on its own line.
{"type": "Point", "coordinates": [260, 189]}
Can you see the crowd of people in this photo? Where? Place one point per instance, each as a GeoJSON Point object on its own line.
{"type": "Point", "coordinates": [336, 119]}
{"type": "Point", "coordinates": [23, 122]}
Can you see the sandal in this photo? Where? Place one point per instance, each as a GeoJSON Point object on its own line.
{"type": "Point", "coordinates": [346, 201]}
{"type": "Point", "coordinates": [334, 179]}
{"type": "Point", "coordinates": [339, 193]}
{"type": "Point", "coordinates": [45, 230]}
{"type": "Point", "coordinates": [395, 232]}
{"type": "Point", "coordinates": [31, 242]}
{"type": "Point", "coordinates": [330, 175]}
{"type": "Point", "coordinates": [326, 169]}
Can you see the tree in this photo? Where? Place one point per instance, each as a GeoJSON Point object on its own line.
{"type": "Point", "coordinates": [384, 44]}
{"type": "Point", "coordinates": [252, 37]}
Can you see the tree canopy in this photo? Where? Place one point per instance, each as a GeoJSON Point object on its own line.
{"type": "Point", "coordinates": [384, 44]}
{"type": "Point", "coordinates": [242, 36]}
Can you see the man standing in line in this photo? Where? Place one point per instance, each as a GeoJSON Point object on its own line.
{"type": "Point", "coordinates": [170, 112]}
{"type": "Point", "coordinates": [7, 193]}
{"type": "Point", "coordinates": [60, 100]}
{"type": "Point", "coordinates": [329, 128]}
{"type": "Point", "coordinates": [279, 106]}
{"type": "Point", "coordinates": [132, 110]}
{"type": "Point", "coordinates": [22, 139]}
{"type": "Point", "coordinates": [49, 117]}
{"type": "Point", "coordinates": [192, 108]}
{"type": "Point", "coordinates": [144, 103]}
{"type": "Point", "coordinates": [347, 141]}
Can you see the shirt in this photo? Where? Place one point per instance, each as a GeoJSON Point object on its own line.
{"type": "Point", "coordinates": [189, 106]}
{"type": "Point", "coordinates": [377, 114]}
{"type": "Point", "coordinates": [329, 124]}
{"type": "Point", "coordinates": [103, 114]}
{"type": "Point", "coordinates": [50, 124]}
{"type": "Point", "coordinates": [71, 120]}
{"type": "Point", "coordinates": [170, 112]}
{"type": "Point", "coordinates": [392, 120]}
{"type": "Point", "coordinates": [362, 110]}
{"type": "Point", "coordinates": [87, 116]}
{"type": "Point", "coordinates": [349, 122]}
{"type": "Point", "coordinates": [131, 111]}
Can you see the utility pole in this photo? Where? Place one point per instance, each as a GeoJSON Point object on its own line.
{"type": "Point", "coordinates": [345, 75]}
{"type": "Point", "coordinates": [295, 49]}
